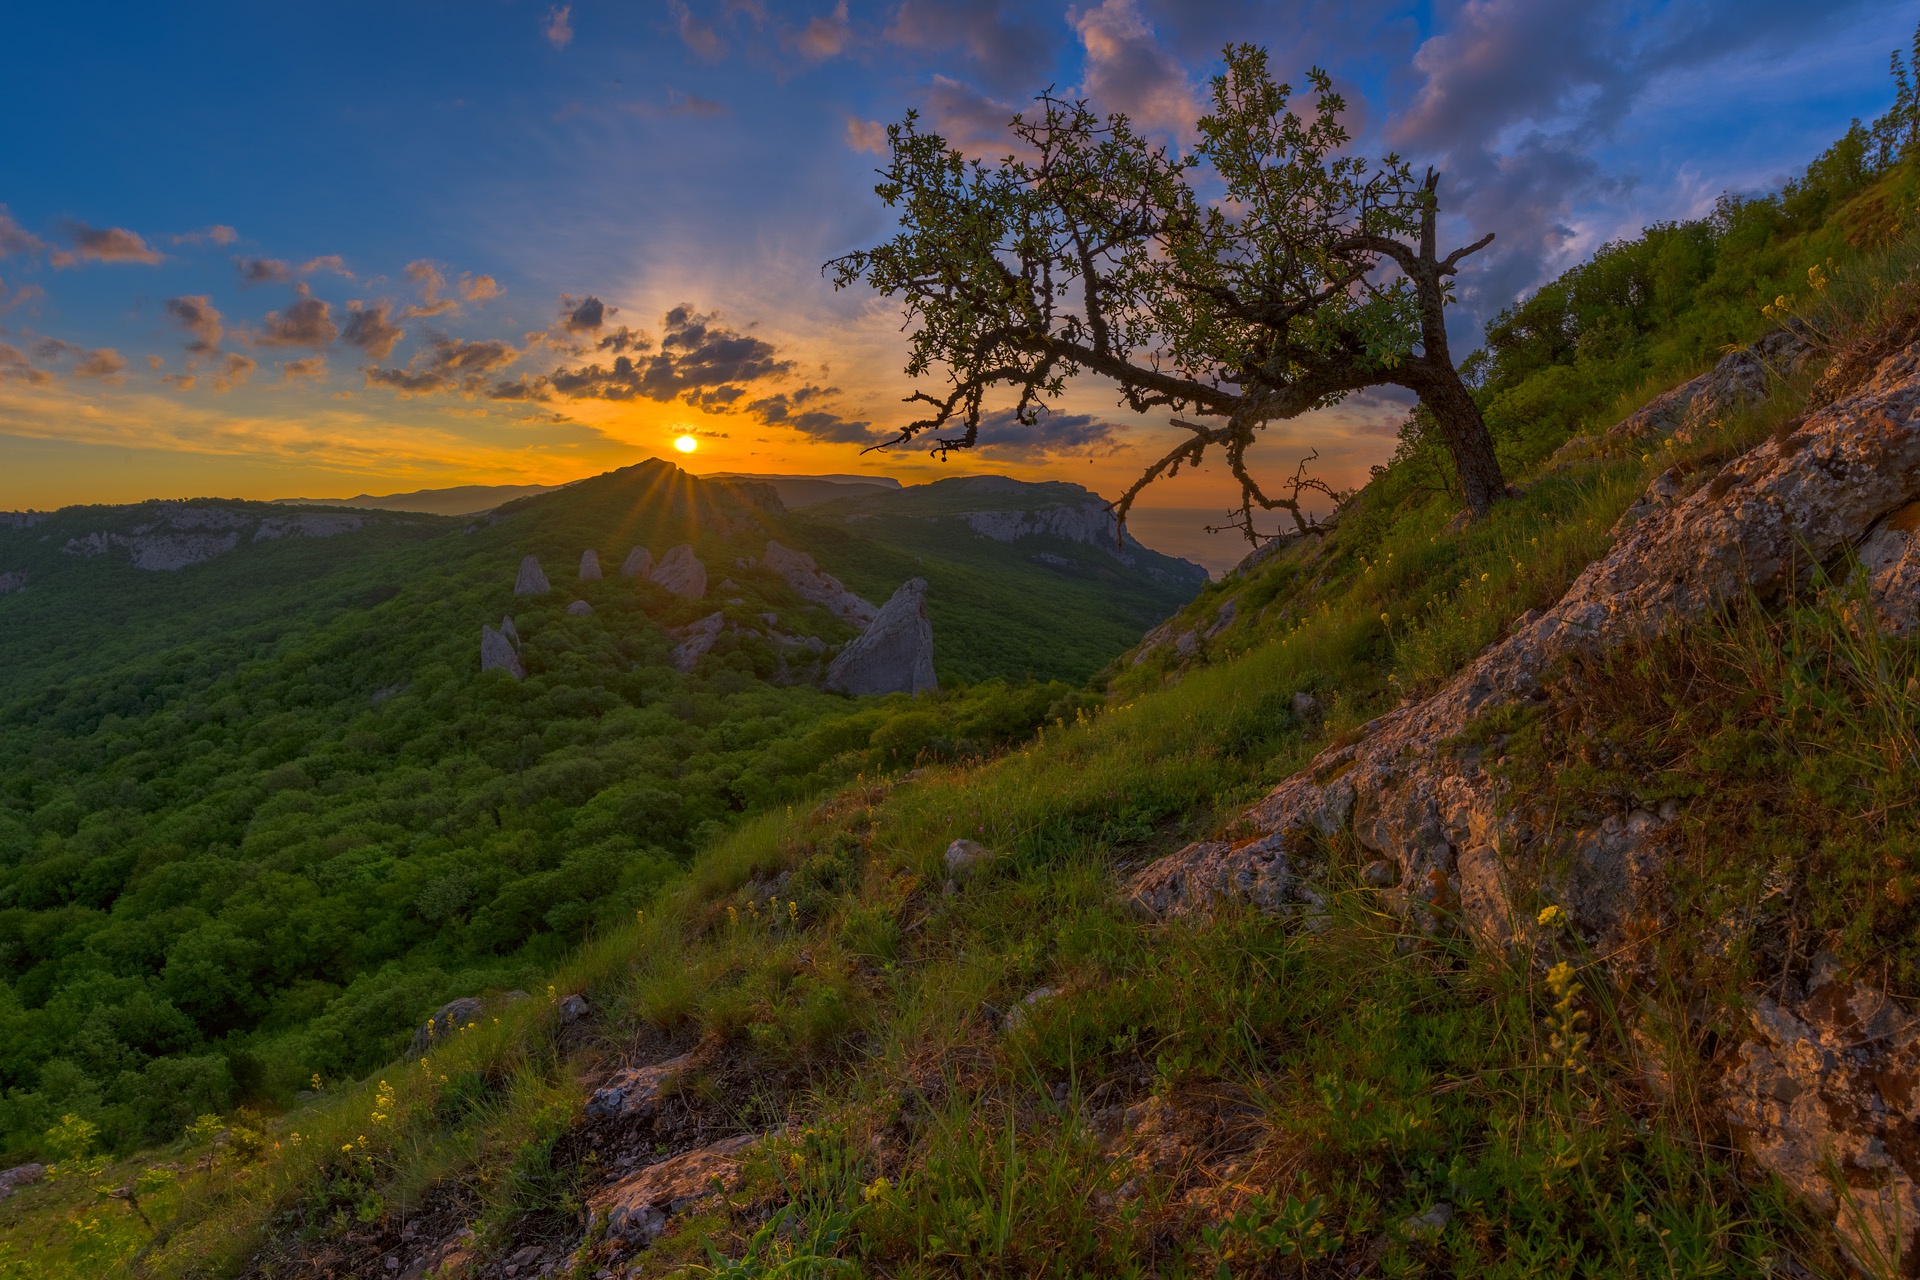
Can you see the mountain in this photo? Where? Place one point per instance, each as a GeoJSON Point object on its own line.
{"type": "Point", "coordinates": [806, 491]}
{"type": "Point", "coordinates": [467, 499]}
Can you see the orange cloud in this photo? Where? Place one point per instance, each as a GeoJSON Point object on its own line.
{"type": "Point", "coordinates": [105, 244]}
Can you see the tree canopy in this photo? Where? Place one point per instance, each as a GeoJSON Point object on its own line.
{"type": "Point", "coordinates": [1262, 274]}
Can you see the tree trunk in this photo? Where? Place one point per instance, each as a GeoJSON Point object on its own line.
{"type": "Point", "coordinates": [1465, 433]}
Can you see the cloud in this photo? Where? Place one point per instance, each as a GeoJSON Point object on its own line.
{"type": "Point", "coordinates": [307, 322]}
{"type": "Point", "coordinates": [1007, 50]}
{"type": "Point", "coordinates": [196, 314]}
{"type": "Point", "coordinates": [825, 37]}
{"type": "Point", "coordinates": [869, 136]}
{"type": "Point", "coordinates": [314, 367]}
{"type": "Point", "coordinates": [49, 349]}
{"type": "Point", "coordinates": [218, 234]}
{"type": "Point", "coordinates": [583, 316]}
{"type": "Point", "coordinates": [1002, 434]}
{"type": "Point", "coordinates": [103, 363]}
{"type": "Point", "coordinates": [369, 329]}
{"type": "Point", "coordinates": [623, 339]}
{"type": "Point", "coordinates": [969, 120]}
{"type": "Point", "coordinates": [432, 285]}
{"type": "Point", "coordinates": [263, 271]}
{"type": "Point", "coordinates": [681, 103]}
{"type": "Point", "coordinates": [1127, 69]}
{"type": "Point", "coordinates": [326, 262]}
{"type": "Point", "coordinates": [558, 29]}
{"type": "Point", "coordinates": [448, 364]}
{"type": "Point", "coordinates": [789, 409]}
{"type": "Point", "coordinates": [696, 33]}
{"type": "Point", "coordinates": [14, 367]}
{"type": "Point", "coordinates": [232, 372]}
{"type": "Point", "coordinates": [699, 362]}
{"type": "Point", "coordinates": [479, 288]}
{"type": "Point", "coordinates": [104, 244]}
{"type": "Point", "coordinates": [26, 293]}
{"type": "Point", "coordinates": [14, 238]}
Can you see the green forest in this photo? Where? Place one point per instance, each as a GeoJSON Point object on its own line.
{"type": "Point", "coordinates": [261, 815]}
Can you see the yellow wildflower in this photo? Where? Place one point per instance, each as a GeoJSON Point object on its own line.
{"type": "Point", "coordinates": [1552, 917]}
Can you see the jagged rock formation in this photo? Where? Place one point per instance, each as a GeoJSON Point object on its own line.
{"type": "Point", "coordinates": [697, 638]}
{"type": "Point", "coordinates": [589, 565]}
{"type": "Point", "coordinates": [532, 580]}
{"type": "Point", "coordinates": [895, 653]}
{"type": "Point", "coordinates": [180, 534]}
{"type": "Point", "coordinates": [634, 1093]}
{"type": "Point", "coordinates": [22, 519]}
{"type": "Point", "coordinates": [499, 653]}
{"type": "Point", "coordinates": [508, 630]}
{"type": "Point", "coordinates": [637, 1208]}
{"type": "Point", "coordinates": [580, 609]}
{"type": "Point", "coordinates": [799, 571]}
{"type": "Point", "coordinates": [638, 564]}
{"type": "Point", "coordinates": [681, 572]}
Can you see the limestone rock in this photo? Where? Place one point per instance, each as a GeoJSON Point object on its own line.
{"type": "Point", "coordinates": [799, 571]}
{"type": "Point", "coordinates": [1744, 377]}
{"type": "Point", "coordinates": [638, 564]}
{"type": "Point", "coordinates": [589, 565]}
{"type": "Point", "coordinates": [446, 1022]}
{"type": "Point", "coordinates": [637, 1208]}
{"type": "Point", "coordinates": [895, 653]}
{"type": "Point", "coordinates": [1306, 707]}
{"type": "Point", "coordinates": [532, 580]}
{"type": "Point", "coordinates": [635, 1092]}
{"type": "Point", "coordinates": [497, 653]}
{"type": "Point", "coordinates": [19, 1176]}
{"type": "Point", "coordinates": [697, 638]}
{"type": "Point", "coordinates": [15, 581]}
{"type": "Point", "coordinates": [965, 858]}
{"type": "Point", "coordinates": [1660, 415]}
{"type": "Point", "coordinates": [681, 572]}
{"type": "Point", "coordinates": [507, 630]}
{"type": "Point", "coordinates": [580, 609]}
{"type": "Point", "coordinates": [1829, 1084]}
{"type": "Point", "coordinates": [1890, 559]}
{"type": "Point", "coordinates": [572, 1009]}
{"type": "Point", "coordinates": [1016, 1017]}
{"type": "Point", "coordinates": [1438, 816]}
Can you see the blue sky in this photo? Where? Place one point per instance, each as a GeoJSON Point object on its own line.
{"type": "Point", "coordinates": [521, 158]}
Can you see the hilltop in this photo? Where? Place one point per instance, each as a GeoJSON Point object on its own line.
{"type": "Point", "coordinates": [1528, 895]}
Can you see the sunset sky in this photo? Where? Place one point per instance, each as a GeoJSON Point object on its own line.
{"type": "Point", "coordinates": [275, 250]}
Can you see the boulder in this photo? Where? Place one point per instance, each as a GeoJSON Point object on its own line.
{"type": "Point", "coordinates": [696, 639]}
{"type": "Point", "coordinates": [1890, 560]}
{"type": "Point", "coordinates": [19, 1176]}
{"type": "Point", "coordinates": [637, 1208]}
{"type": "Point", "coordinates": [681, 572]}
{"type": "Point", "coordinates": [589, 565]}
{"type": "Point", "coordinates": [797, 570]}
{"type": "Point", "coordinates": [580, 609]}
{"type": "Point", "coordinates": [639, 563]}
{"type": "Point", "coordinates": [497, 653]}
{"type": "Point", "coordinates": [895, 653]}
{"type": "Point", "coordinates": [572, 1009]}
{"type": "Point", "coordinates": [447, 1022]}
{"type": "Point", "coordinates": [15, 581]}
{"type": "Point", "coordinates": [532, 580]}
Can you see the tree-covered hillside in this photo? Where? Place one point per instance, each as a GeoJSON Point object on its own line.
{"type": "Point", "coordinates": [260, 813]}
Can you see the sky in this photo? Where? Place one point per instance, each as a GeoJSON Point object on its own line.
{"type": "Point", "coordinates": [323, 250]}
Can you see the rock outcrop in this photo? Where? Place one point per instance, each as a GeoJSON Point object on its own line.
{"type": "Point", "coordinates": [799, 571]}
{"type": "Point", "coordinates": [638, 564]}
{"type": "Point", "coordinates": [1437, 816]}
{"type": "Point", "coordinates": [696, 639]}
{"type": "Point", "coordinates": [580, 609]}
{"type": "Point", "coordinates": [895, 653]}
{"type": "Point", "coordinates": [681, 572]}
{"type": "Point", "coordinates": [589, 565]}
{"type": "Point", "coordinates": [1826, 1095]}
{"type": "Point", "coordinates": [14, 581]}
{"type": "Point", "coordinates": [532, 580]}
{"type": "Point", "coordinates": [174, 535]}
{"type": "Point", "coordinates": [634, 1093]}
{"type": "Point", "coordinates": [637, 1208]}
{"type": "Point", "coordinates": [19, 1176]}
{"type": "Point", "coordinates": [499, 653]}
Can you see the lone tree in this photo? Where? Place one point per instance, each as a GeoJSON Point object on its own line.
{"type": "Point", "coordinates": [1262, 275]}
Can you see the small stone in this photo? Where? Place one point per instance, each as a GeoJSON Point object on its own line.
{"type": "Point", "coordinates": [589, 565]}
{"type": "Point", "coordinates": [532, 580]}
{"type": "Point", "coordinates": [1306, 707]}
{"type": "Point", "coordinates": [1017, 1016]}
{"type": "Point", "coordinates": [572, 1009]}
{"type": "Point", "coordinates": [580, 609]}
{"type": "Point", "coordinates": [446, 1022]}
{"type": "Point", "coordinates": [1424, 1226]}
{"type": "Point", "coordinates": [639, 563]}
{"type": "Point", "coordinates": [965, 857]}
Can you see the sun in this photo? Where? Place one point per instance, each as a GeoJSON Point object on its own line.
{"type": "Point", "coordinates": [686, 444]}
